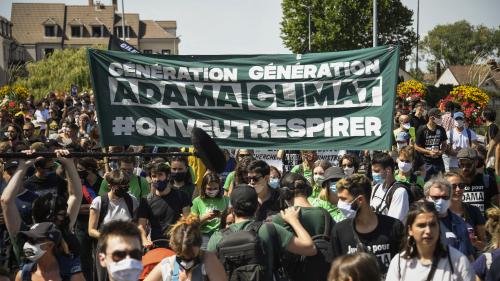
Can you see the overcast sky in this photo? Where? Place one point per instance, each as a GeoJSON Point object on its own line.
{"type": "Point", "coordinates": [253, 26]}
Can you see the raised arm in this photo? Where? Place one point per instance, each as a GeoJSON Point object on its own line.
{"type": "Point", "coordinates": [74, 186]}
{"type": "Point", "coordinates": [302, 244]}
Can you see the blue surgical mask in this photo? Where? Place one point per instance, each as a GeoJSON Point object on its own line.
{"type": "Point", "coordinates": [333, 187]}
{"type": "Point", "coordinates": [441, 205]}
{"type": "Point", "coordinates": [274, 183]}
{"type": "Point", "coordinates": [377, 178]}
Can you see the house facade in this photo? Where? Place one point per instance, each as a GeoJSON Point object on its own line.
{"type": "Point", "coordinates": [42, 28]}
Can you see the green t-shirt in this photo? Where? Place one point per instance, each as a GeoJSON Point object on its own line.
{"type": "Point", "coordinates": [312, 220]}
{"type": "Point", "coordinates": [270, 248]}
{"type": "Point", "coordinates": [229, 180]}
{"type": "Point", "coordinates": [420, 180]}
{"type": "Point", "coordinates": [203, 206]}
{"type": "Point", "coordinates": [136, 189]}
{"type": "Point", "coordinates": [306, 172]}
{"type": "Point", "coordinates": [329, 207]}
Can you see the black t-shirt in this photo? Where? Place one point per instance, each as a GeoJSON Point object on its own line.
{"type": "Point", "coordinates": [494, 273]}
{"type": "Point", "coordinates": [270, 206]}
{"type": "Point", "coordinates": [472, 215]}
{"type": "Point", "coordinates": [416, 122]}
{"type": "Point", "coordinates": [165, 210]}
{"type": "Point", "coordinates": [52, 184]}
{"type": "Point", "coordinates": [384, 242]}
{"type": "Point", "coordinates": [478, 194]}
{"type": "Point", "coordinates": [428, 139]}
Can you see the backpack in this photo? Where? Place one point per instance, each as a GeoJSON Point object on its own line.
{"type": "Point", "coordinates": [242, 253]}
{"type": "Point", "coordinates": [315, 267]}
{"type": "Point", "coordinates": [67, 267]}
{"type": "Point", "coordinates": [413, 190]}
{"type": "Point", "coordinates": [105, 205]}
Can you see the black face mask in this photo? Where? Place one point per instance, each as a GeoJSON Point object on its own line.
{"type": "Point", "coordinates": [480, 162]}
{"type": "Point", "coordinates": [160, 185]}
{"type": "Point", "coordinates": [120, 192]}
{"type": "Point", "coordinates": [178, 176]}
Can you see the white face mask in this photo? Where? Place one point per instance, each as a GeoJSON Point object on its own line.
{"type": "Point", "coordinates": [401, 145]}
{"type": "Point", "coordinates": [404, 166]}
{"type": "Point", "coordinates": [348, 171]}
{"type": "Point", "coordinates": [125, 270]}
{"type": "Point", "coordinates": [33, 252]}
{"type": "Point", "coordinates": [346, 208]}
{"type": "Point", "coordinates": [441, 205]}
{"type": "Point", "coordinates": [459, 123]}
{"type": "Point", "coordinates": [212, 193]}
{"type": "Point", "coordinates": [318, 179]}
{"type": "Point", "coordinates": [406, 126]}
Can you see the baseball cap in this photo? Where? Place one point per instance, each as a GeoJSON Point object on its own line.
{"type": "Point", "coordinates": [43, 230]}
{"type": "Point", "coordinates": [244, 198]}
{"type": "Point", "coordinates": [458, 115]}
{"type": "Point", "coordinates": [467, 153]}
{"type": "Point", "coordinates": [434, 112]}
{"type": "Point", "coordinates": [333, 173]}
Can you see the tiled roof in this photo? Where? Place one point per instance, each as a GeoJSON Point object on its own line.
{"type": "Point", "coordinates": [465, 74]}
{"type": "Point", "coordinates": [151, 29]}
{"type": "Point", "coordinates": [28, 18]}
{"type": "Point", "coordinates": [131, 20]}
{"type": "Point", "coordinates": [87, 16]}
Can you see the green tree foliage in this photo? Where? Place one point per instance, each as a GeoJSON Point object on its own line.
{"type": "Point", "coordinates": [338, 25]}
{"type": "Point", "coordinates": [460, 43]}
{"type": "Point", "coordinates": [58, 72]}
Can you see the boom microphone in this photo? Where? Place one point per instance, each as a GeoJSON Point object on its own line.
{"type": "Point", "coordinates": [208, 151]}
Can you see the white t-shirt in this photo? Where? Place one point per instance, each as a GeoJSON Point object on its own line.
{"type": "Point", "coordinates": [415, 271]}
{"type": "Point", "coordinates": [117, 209]}
{"type": "Point", "coordinates": [399, 204]}
{"type": "Point", "coordinates": [460, 139]}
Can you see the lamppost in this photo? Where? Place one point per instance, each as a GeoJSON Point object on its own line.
{"type": "Point", "coordinates": [418, 18]}
{"type": "Point", "coordinates": [177, 39]}
{"type": "Point", "coordinates": [123, 21]}
{"type": "Point", "coordinates": [308, 23]}
{"type": "Point", "coordinates": [375, 31]}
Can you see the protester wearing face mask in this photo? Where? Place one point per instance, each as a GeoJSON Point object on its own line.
{"type": "Point", "coordinates": [405, 126]}
{"type": "Point", "coordinates": [418, 118]}
{"type": "Point", "coordinates": [209, 206]}
{"type": "Point", "coordinates": [120, 204]}
{"type": "Point", "coordinates": [458, 137]}
{"type": "Point", "coordinates": [405, 170]}
{"type": "Point", "coordinates": [120, 251]}
{"type": "Point", "coordinates": [388, 196]}
{"type": "Point", "coordinates": [319, 169]}
{"type": "Point", "coordinates": [364, 230]}
{"type": "Point", "coordinates": [327, 198]}
{"type": "Point", "coordinates": [452, 228]}
{"type": "Point", "coordinates": [137, 186]}
{"type": "Point", "coordinates": [269, 199]}
{"type": "Point", "coordinates": [47, 255]}
{"type": "Point", "coordinates": [190, 262]}
{"type": "Point", "coordinates": [165, 204]}
{"type": "Point", "coordinates": [274, 177]}
{"type": "Point", "coordinates": [431, 143]}
{"type": "Point", "coordinates": [349, 163]}
{"type": "Point", "coordinates": [181, 177]}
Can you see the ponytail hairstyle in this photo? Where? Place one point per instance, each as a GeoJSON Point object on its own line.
{"type": "Point", "coordinates": [184, 235]}
{"type": "Point", "coordinates": [493, 227]}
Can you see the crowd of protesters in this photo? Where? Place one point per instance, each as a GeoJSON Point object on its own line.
{"type": "Point", "coordinates": [425, 210]}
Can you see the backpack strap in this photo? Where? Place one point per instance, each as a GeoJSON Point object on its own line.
{"type": "Point", "coordinates": [489, 260]}
{"type": "Point", "coordinates": [175, 272]}
{"type": "Point", "coordinates": [469, 136]}
{"type": "Point", "coordinates": [449, 260]}
{"type": "Point", "coordinates": [27, 270]}
{"type": "Point", "coordinates": [130, 205]}
{"type": "Point", "coordinates": [139, 181]}
{"type": "Point", "coordinates": [328, 222]}
{"type": "Point", "coordinates": [104, 209]}
{"type": "Point", "coordinates": [387, 198]}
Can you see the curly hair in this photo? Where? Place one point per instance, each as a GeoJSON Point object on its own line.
{"type": "Point", "coordinates": [493, 227]}
{"type": "Point", "coordinates": [184, 235]}
{"type": "Point", "coordinates": [357, 185]}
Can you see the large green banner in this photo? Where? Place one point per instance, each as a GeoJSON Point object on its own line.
{"type": "Point", "coordinates": [340, 100]}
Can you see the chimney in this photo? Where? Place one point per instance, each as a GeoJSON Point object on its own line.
{"type": "Point", "coordinates": [438, 70]}
{"type": "Point", "coordinates": [91, 3]}
{"type": "Point", "coordinates": [115, 4]}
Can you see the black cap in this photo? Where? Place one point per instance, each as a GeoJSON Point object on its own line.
{"type": "Point", "coordinates": [434, 112]}
{"type": "Point", "coordinates": [244, 198]}
{"type": "Point", "coordinates": [467, 153]}
{"type": "Point", "coordinates": [43, 230]}
{"type": "Point", "coordinates": [333, 173]}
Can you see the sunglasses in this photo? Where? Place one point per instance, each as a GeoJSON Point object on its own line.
{"type": "Point", "coordinates": [255, 179]}
{"type": "Point", "coordinates": [120, 255]}
{"type": "Point", "coordinates": [435, 198]}
{"type": "Point", "coordinates": [465, 164]}
{"type": "Point", "coordinates": [459, 185]}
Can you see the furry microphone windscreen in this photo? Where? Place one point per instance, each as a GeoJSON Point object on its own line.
{"type": "Point", "coordinates": [208, 151]}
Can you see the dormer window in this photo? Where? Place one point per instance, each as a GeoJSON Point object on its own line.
{"type": "Point", "coordinates": [50, 28]}
{"type": "Point", "coordinates": [76, 28]}
{"type": "Point", "coordinates": [97, 28]}
{"type": "Point", "coordinates": [119, 31]}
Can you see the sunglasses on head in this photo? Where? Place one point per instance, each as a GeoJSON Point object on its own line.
{"type": "Point", "coordinates": [120, 255]}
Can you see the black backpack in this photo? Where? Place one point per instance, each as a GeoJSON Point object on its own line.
{"type": "Point", "coordinates": [242, 253]}
{"type": "Point", "coordinates": [316, 267]}
{"type": "Point", "coordinates": [414, 191]}
{"type": "Point", "coordinates": [105, 205]}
